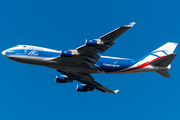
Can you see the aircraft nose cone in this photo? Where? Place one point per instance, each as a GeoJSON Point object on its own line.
{"type": "Point", "coordinates": [4, 52]}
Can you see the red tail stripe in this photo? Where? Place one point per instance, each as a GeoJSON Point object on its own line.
{"type": "Point", "coordinates": [143, 65]}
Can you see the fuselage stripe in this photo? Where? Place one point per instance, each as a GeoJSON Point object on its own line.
{"type": "Point", "coordinates": [142, 65]}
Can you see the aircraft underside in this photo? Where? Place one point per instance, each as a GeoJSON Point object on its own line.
{"type": "Point", "coordinates": [82, 68]}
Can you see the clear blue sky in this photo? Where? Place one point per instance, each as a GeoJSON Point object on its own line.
{"type": "Point", "coordinates": [29, 92]}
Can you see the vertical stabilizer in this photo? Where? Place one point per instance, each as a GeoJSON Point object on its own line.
{"type": "Point", "coordinates": [168, 48]}
{"type": "Point", "coordinates": [162, 51]}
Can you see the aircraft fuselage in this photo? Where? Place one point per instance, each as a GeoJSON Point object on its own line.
{"type": "Point", "coordinates": [44, 57]}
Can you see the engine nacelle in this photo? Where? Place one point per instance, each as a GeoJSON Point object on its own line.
{"type": "Point", "coordinates": [83, 88]}
{"type": "Point", "coordinates": [66, 53]}
{"type": "Point", "coordinates": [90, 42]}
{"type": "Point", "coordinates": [62, 79]}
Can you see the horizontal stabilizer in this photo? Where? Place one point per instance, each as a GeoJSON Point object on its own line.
{"type": "Point", "coordinates": [163, 73]}
{"type": "Point", "coordinates": [164, 61]}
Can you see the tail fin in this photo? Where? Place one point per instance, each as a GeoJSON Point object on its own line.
{"type": "Point", "coordinates": [161, 57]}
{"type": "Point", "coordinates": [162, 51]}
{"type": "Point", "coordinates": [168, 48]}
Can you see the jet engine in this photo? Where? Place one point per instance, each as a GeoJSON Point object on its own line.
{"type": "Point", "coordinates": [62, 79]}
{"type": "Point", "coordinates": [90, 42]}
{"type": "Point", "coordinates": [83, 88]}
{"type": "Point", "coordinates": [66, 53]}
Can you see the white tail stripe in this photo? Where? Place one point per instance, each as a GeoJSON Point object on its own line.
{"type": "Point", "coordinates": [168, 47]}
{"type": "Point", "coordinates": [164, 50]}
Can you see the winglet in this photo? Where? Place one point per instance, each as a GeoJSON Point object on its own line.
{"type": "Point", "coordinates": [116, 91]}
{"type": "Point", "coordinates": [130, 24]}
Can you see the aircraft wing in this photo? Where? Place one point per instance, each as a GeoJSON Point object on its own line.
{"type": "Point", "coordinates": [87, 54]}
{"type": "Point", "coordinates": [87, 79]}
{"type": "Point", "coordinates": [106, 40]}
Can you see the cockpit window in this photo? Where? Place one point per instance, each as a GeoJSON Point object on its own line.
{"type": "Point", "coordinates": [16, 46]}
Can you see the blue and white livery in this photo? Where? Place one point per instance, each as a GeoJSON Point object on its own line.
{"type": "Point", "coordinates": [78, 64]}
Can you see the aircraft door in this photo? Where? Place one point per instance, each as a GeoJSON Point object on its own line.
{"type": "Point", "coordinates": [25, 51]}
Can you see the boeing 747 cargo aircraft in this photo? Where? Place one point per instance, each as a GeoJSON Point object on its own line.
{"type": "Point", "coordinates": [78, 64]}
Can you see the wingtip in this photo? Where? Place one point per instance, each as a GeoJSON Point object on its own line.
{"type": "Point", "coordinates": [116, 91]}
{"type": "Point", "coordinates": [131, 24]}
